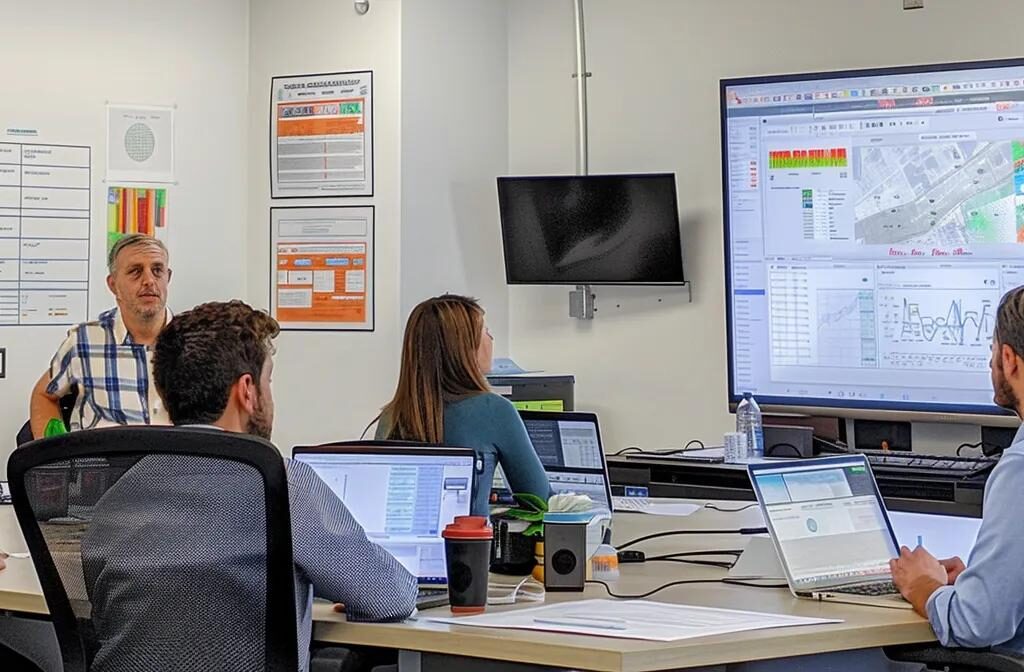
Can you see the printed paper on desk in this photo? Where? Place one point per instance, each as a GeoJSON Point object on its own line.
{"type": "Point", "coordinates": [634, 619]}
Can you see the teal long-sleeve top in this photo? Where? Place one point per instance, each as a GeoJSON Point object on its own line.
{"type": "Point", "coordinates": [491, 426]}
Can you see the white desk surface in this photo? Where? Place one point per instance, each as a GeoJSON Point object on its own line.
{"type": "Point", "coordinates": [863, 627]}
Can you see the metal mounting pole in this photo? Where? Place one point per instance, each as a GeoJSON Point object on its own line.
{"type": "Point", "coordinates": [581, 74]}
{"type": "Point", "coordinates": [581, 301]}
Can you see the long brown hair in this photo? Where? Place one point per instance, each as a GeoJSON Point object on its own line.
{"type": "Point", "coordinates": [439, 364]}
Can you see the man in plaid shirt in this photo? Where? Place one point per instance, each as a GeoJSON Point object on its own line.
{"type": "Point", "coordinates": [109, 361]}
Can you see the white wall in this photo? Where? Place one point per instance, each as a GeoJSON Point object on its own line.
{"type": "Point", "coordinates": [656, 371]}
{"type": "Point", "coordinates": [454, 144]}
{"type": "Point", "coordinates": [63, 61]}
{"type": "Point", "coordinates": [329, 385]}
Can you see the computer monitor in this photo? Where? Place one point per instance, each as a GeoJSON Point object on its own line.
{"type": "Point", "coordinates": [591, 229]}
{"type": "Point", "coordinates": [403, 496]}
{"type": "Point", "coordinates": [873, 220]}
{"type": "Point", "coordinates": [569, 447]}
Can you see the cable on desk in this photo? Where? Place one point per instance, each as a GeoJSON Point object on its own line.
{"type": "Point", "coordinates": [685, 558]}
{"type": "Point", "coordinates": [983, 445]}
{"type": "Point", "coordinates": [960, 449]}
{"type": "Point", "coordinates": [670, 451]}
{"type": "Point", "coordinates": [673, 533]}
{"type": "Point", "coordinates": [704, 563]}
{"type": "Point", "coordinates": [713, 507]}
{"type": "Point", "coordinates": [672, 584]}
{"type": "Point", "coordinates": [692, 554]}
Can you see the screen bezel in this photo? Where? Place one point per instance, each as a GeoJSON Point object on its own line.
{"type": "Point", "coordinates": [823, 463]}
{"type": "Point", "coordinates": [573, 416]}
{"type": "Point", "coordinates": [399, 448]}
{"type": "Point", "coordinates": [544, 178]}
{"type": "Point", "coordinates": [976, 414]}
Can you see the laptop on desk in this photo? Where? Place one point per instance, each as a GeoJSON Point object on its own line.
{"type": "Point", "coordinates": [830, 529]}
{"type": "Point", "coordinates": [403, 496]}
{"type": "Point", "coordinates": [569, 447]}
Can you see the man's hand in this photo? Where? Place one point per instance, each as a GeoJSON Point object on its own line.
{"type": "Point", "coordinates": [954, 567]}
{"type": "Point", "coordinates": [42, 406]}
{"type": "Point", "coordinates": [2, 556]}
{"type": "Point", "coordinates": [917, 574]}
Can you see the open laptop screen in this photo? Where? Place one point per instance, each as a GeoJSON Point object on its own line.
{"type": "Point", "coordinates": [827, 519]}
{"type": "Point", "coordinates": [403, 499]}
{"type": "Point", "coordinates": [569, 447]}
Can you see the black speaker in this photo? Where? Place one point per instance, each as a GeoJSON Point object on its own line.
{"type": "Point", "coordinates": [565, 556]}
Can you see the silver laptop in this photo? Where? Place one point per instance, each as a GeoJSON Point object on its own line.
{"type": "Point", "coordinates": [830, 528]}
{"type": "Point", "coordinates": [403, 496]}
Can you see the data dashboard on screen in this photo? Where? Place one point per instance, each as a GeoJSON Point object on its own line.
{"type": "Point", "coordinates": [873, 221]}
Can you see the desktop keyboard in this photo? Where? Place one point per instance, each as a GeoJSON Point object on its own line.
{"type": "Point", "coordinates": [928, 465]}
{"type": "Point", "coordinates": [880, 588]}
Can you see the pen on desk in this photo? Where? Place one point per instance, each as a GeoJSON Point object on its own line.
{"type": "Point", "coordinates": [589, 622]}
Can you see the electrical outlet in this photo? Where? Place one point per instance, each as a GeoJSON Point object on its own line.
{"type": "Point", "coordinates": [913, 4]}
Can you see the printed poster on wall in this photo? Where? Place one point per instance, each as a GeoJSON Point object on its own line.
{"type": "Point", "coordinates": [140, 143]}
{"type": "Point", "coordinates": [136, 210]}
{"type": "Point", "coordinates": [322, 268]}
{"type": "Point", "coordinates": [321, 135]}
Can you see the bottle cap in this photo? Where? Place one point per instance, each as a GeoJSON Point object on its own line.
{"type": "Point", "coordinates": [468, 527]}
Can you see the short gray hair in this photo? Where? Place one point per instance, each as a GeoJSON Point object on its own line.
{"type": "Point", "coordinates": [134, 240]}
{"type": "Point", "coordinates": [1010, 321]}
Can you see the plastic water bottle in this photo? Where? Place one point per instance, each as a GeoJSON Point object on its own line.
{"type": "Point", "coordinates": [748, 423]}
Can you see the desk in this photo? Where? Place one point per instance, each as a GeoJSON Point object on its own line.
{"type": "Point", "coordinates": [19, 586]}
{"type": "Point", "coordinates": [863, 627]}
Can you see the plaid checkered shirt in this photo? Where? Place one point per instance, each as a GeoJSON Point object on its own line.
{"type": "Point", "coordinates": [111, 372]}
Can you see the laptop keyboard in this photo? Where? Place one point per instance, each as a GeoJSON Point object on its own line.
{"type": "Point", "coordinates": [431, 597]}
{"type": "Point", "coordinates": [882, 588]}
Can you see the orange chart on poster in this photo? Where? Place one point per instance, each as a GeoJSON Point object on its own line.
{"type": "Point", "coordinates": [322, 282]}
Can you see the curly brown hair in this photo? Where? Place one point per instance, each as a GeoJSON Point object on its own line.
{"type": "Point", "coordinates": [202, 353]}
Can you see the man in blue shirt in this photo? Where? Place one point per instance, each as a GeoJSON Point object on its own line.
{"type": "Point", "coordinates": [982, 604]}
{"type": "Point", "coordinates": [212, 366]}
{"type": "Point", "coordinates": [108, 362]}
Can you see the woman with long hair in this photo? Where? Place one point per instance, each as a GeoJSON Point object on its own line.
{"type": "Point", "coordinates": [443, 397]}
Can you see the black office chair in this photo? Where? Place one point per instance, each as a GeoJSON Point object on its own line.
{"type": "Point", "coordinates": [12, 661]}
{"type": "Point", "coordinates": [161, 530]}
{"type": "Point", "coordinates": [936, 657]}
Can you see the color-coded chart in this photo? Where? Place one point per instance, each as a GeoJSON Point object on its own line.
{"type": "Point", "coordinates": [135, 210]}
{"type": "Point", "coordinates": [1018, 186]}
{"type": "Point", "coordinates": [808, 158]}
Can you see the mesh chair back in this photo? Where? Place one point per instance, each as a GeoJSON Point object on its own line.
{"type": "Point", "coordinates": [161, 549]}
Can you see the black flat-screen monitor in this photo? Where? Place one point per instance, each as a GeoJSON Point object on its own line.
{"type": "Point", "coordinates": [591, 230]}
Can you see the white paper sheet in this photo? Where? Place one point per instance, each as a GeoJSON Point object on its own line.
{"type": "Point", "coordinates": [654, 507]}
{"type": "Point", "coordinates": [633, 619]}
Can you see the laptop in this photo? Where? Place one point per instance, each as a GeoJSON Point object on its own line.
{"type": "Point", "coordinates": [830, 529]}
{"type": "Point", "coordinates": [403, 496]}
{"type": "Point", "coordinates": [569, 447]}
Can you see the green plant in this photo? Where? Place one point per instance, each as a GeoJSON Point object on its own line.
{"type": "Point", "coordinates": [530, 508]}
